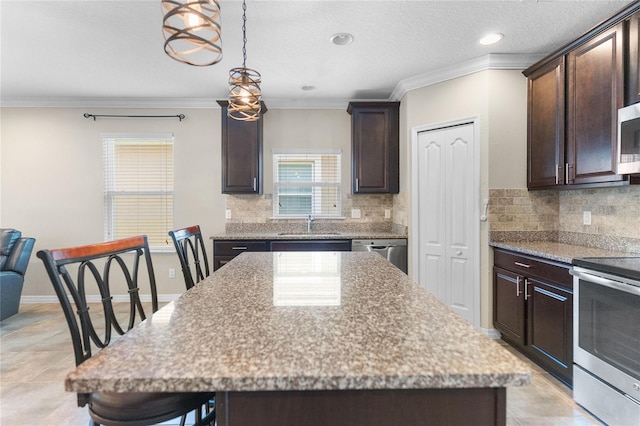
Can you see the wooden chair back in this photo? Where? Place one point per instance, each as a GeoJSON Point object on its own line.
{"type": "Point", "coordinates": [190, 246]}
{"type": "Point", "coordinates": [78, 273]}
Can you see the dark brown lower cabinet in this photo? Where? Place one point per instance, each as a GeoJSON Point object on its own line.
{"type": "Point", "coordinates": [225, 250]}
{"type": "Point", "coordinates": [406, 407]}
{"type": "Point", "coordinates": [533, 309]}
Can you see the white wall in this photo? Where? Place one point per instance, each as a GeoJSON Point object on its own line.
{"type": "Point", "coordinates": [52, 181]}
{"type": "Point", "coordinates": [507, 129]}
{"type": "Point", "coordinates": [308, 129]}
{"type": "Point", "coordinates": [51, 162]}
{"type": "Point", "coordinates": [498, 98]}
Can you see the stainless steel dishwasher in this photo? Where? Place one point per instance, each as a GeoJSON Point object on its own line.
{"type": "Point", "coordinates": [394, 250]}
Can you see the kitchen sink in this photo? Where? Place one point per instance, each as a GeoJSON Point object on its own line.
{"type": "Point", "coordinates": [297, 234]}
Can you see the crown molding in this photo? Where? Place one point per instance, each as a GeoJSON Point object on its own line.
{"type": "Point", "coordinates": [81, 102]}
{"type": "Point", "coordinates": [491, 61]}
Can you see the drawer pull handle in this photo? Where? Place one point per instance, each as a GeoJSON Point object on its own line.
{"type": "Point", "coordinates": [238, 248]}
{"type": "Point", "coordinates": [524, 265]}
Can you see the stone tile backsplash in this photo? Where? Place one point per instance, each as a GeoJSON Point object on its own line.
{"type": "Point", "coordinates": [254, 213]}
{"type": "Point", "coordinates": [614, 212]}
{"type": "Point", "coordinates": [522, 210]}
{"type": "Point", "coordinates": [558, 216]}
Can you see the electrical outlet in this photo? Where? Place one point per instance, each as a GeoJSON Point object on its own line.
{"type": "Point", "coordinates": [227, 214]}
{"type": "Point", "coordinates": [586, 217]}
{"type": "Point", "coordinates": [355, 213]}
{"type": "Point", "coordinates": [172, 272]}
{"type": "Point", "coordinates": [387, 214]}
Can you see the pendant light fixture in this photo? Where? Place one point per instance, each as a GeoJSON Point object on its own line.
{"type": "Point", "coordinates": [244, 84]}
{"type": "Point", "coordinates": [191, 31]}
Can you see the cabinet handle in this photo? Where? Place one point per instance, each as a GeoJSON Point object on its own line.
{"type": "Point", "coordinates": [566, 173]}
{"type": "Point", "coordinates": [255, 183]}
{"type": "Point", "coordinates": [526, 289]}
{"type": "Point", "coordinates": [238, 248]}
{"type": "Point", "coordinates": [524, 265]}
{"type": "Point", "coordinates": [556, 173]}
{"type": "Point", "coordinates": [518, 278]}
{"type": "Point", "coordinates": [357, 185]}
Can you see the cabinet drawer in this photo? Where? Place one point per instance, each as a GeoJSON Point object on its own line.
{"type": "Point", "coordinates": [235, 247]}
{"type": "Point", "coordinates": [532, 266]}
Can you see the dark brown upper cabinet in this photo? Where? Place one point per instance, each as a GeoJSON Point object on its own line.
{"type": "Point", "coordinates": [545, 126]}
{"type": "Point", "coordinates": [241, 154]}
{"type": "Point", "coordinates": [573, 99]}
{"type": "Point", "coordinates": [375, 149]}
{"type": "Point", "coordinates": [596, 79]}
{"type": "Point", "coordinates": [632, 60]}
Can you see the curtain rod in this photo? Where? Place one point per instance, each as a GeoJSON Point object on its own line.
{"type": "Point", "coordinates": [94, 116]}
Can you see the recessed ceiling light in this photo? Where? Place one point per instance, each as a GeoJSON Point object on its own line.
{"type": "Point", "coordinates": [342, 38]}
{"type": "Point", "coordinates": [308, 88]}
{"type": "Point", "coordinates": [491, 39]}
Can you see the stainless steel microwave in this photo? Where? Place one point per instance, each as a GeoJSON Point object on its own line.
{"type": "Point", "coordinates": [628, 161]}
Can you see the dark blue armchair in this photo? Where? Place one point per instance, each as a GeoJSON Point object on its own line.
{"type": "Point", "coordinates": [14, 259]}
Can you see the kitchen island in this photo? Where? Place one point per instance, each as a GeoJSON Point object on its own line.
{"type": "Point", "coordinates": [313, 338]}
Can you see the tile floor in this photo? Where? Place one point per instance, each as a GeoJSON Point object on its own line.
{"type": "Point", "coordinates": [36, 354]}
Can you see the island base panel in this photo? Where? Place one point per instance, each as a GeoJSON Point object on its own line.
{"type": "Point", "coordinates": [477, 406]}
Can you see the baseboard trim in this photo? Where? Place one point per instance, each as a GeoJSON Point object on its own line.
{"type": "Point", "coordinates": [492, 333]}
{"type": "Point", "coordinates": [29, 300]}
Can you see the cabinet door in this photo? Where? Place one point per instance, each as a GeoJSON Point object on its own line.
{"type": "Point", "coordinates": [550, 322]}
{"type": "Point", "coordinates": [632, 64]}
{"type": "Point", "coordinates": [241, 155]}
{"type": "Point", "coordinates": [375, 147]}
{"type": "Point", "coordinates": [595, 76]}
{"type": "Point", "coordinates": [545, 126]}
{"type": "Point", "coordinates": [508, 305]}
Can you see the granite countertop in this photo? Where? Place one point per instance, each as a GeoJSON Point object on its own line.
{"type": "Point", "coordinates": [319, 235]}
{"type": "Point", "coordinates": [257, 324]}
{"type": "Point", "coordinates": [560, 252]}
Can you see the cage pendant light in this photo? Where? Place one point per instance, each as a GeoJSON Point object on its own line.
{"type": "Point", "coordinates": [244, 84]}
{"type": "Point", "coordinates": [191, 31]}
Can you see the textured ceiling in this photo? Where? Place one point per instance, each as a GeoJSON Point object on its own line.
{"type": "Point", "coordinates": [111, 52]}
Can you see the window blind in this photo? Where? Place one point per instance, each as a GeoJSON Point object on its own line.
{"type": "Point", "coordinates": [138, 188]}
{"type": "Point", "coordinates": [306, 183]}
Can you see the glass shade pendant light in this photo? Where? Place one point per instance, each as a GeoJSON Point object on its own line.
{"type": "Point", "coordinates": [191, 31]}
{"type": "Point", "coordinates": [244, 84]}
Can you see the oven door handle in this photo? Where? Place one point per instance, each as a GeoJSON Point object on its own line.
{"type": "Point", "coordinates": [606, 282]}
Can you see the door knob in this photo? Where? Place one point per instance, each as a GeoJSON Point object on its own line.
{"type": "Point", "coordinates": [459, 253]}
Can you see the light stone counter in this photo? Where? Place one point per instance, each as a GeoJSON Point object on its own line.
{"type": "Point", "coordinates": [316, 235]}
{"type": "Point", "coordinates": [366, 326]}
{"type": "Point", "coordinates": [560, 252]}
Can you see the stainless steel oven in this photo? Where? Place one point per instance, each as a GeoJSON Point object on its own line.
{"type": "Point", "coordinates": [606, 354]}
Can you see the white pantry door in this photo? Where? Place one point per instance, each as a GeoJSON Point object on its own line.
{"type": "Point", "coordinates": [447, 220]}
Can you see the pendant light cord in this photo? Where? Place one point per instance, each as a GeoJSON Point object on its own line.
{"type": "Point", "coordinates": [244, 34]}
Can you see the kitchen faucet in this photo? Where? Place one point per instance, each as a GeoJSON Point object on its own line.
{"type": "Point", "coordinates": [309, 220]}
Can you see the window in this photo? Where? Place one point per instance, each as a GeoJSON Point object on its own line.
{"type": "Point", "coordinates": [306, 183]}
{"type": "Point", "coordinates": [138, 188]}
